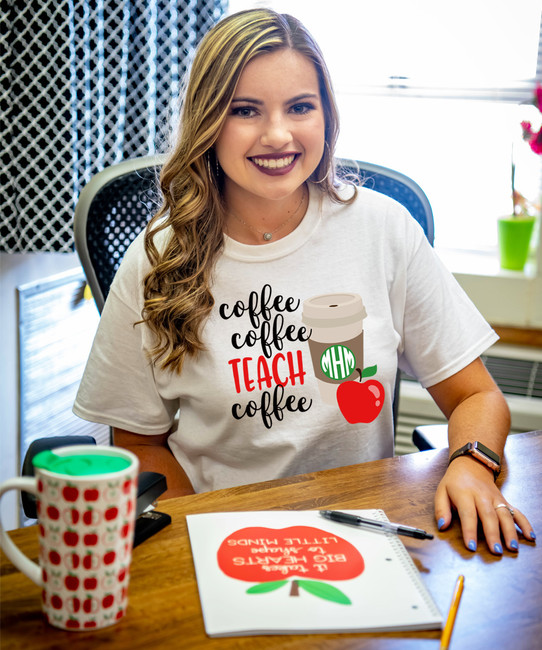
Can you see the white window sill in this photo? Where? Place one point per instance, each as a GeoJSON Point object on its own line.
{"type": "Point", "coordinates": [505, 298]}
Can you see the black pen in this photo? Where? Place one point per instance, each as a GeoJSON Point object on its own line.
{"type": "Point", "coordinates": [371, 524]}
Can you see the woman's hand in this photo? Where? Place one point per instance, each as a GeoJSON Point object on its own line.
{"type": "Point", "coordinates": [476, 410]}
{"type": "Point", "coordinates": [469, 488]}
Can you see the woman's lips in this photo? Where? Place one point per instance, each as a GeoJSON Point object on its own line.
{"type": "Point", "coordinates": [275, 165]}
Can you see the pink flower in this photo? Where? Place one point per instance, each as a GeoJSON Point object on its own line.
{"type": "Point", "coordinates": [536, 142]}
{"type": "Point", "coordinates": [534, 138]}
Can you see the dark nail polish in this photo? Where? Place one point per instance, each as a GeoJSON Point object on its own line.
{"type": "Point", "coordinates": [514, 545]}
{"type": "Point", "coordinates": [497, 548]}
{"type": "Point", "coordinates": [472, 545]}
{"type": "Point", "coordinates": [440, 523]}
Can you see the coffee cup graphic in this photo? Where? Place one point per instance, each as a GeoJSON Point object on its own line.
{"type": "Point", "coordinates": [336, 341]}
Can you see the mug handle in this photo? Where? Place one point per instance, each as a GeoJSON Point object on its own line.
{"type": "Point", "coordinates": [17, 557]}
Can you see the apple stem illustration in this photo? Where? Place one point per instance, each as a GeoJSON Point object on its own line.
{"type": "Point", "coordinates": [294, 590]}
{"type": "Point", "coordinates": [360, 373]}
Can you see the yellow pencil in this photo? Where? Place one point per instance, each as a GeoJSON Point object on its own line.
{"type": "Point", "coordinates": [448, 628]}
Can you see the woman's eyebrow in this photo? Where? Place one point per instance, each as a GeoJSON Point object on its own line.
{"type": "Point", "coordinates": [258, 102]}
{"type": "Point", "coordinates": [246, 100]}
{"type": "Point", "coordinates": [301, 97]}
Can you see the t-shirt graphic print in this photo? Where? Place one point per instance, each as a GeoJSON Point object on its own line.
{"type": "Point", "coordinates": [333, 329]}
{"type": "Point", "coordinates": [336, 346]}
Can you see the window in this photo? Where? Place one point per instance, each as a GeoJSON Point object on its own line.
{"type": "Point", "coordinates": [436, 90]}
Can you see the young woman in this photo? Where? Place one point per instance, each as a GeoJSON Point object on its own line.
{"type": "Point", "coordinates": [244, 317]}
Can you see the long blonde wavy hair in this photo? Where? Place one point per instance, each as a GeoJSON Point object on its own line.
{"type": "Point", "coordinates": [177, 290]}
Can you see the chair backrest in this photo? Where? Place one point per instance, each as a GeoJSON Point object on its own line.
{"type": "Point", "coordinates": [395, 185]}
{"type": "Point", "coordinates": [118, 202]}
{"type": "Point", "coordinates": [113, 207]}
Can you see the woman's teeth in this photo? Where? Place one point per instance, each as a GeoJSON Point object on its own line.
{"type": "Point", "coordinates": [274, 163]}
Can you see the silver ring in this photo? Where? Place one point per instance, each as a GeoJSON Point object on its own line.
{"type": "Point", "coordinates": [503, 505]}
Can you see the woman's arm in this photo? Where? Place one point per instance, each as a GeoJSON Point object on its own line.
{"type": "Point", "coordinates": [155, 456]}
{"type": "Point", "coordinates": [476, 411]}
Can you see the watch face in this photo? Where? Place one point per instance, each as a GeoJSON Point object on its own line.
{"type": "Point", "coordinates": [487, 452]}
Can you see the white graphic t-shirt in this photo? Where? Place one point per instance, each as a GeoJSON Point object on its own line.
{"type": "Point", "coordinates": [301, 348]}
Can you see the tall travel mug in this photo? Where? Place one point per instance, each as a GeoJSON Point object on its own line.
{"type": "Point", "coordinates": [86, 497]}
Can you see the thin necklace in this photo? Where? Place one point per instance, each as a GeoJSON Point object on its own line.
{"type": "Point", "coordinates": [268, 236]}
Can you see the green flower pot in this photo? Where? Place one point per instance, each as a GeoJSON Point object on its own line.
{"type": "Point", "coordinates": [514, 240]}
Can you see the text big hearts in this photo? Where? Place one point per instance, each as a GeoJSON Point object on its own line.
{"type": "Point", "coordinates": [260, 554]}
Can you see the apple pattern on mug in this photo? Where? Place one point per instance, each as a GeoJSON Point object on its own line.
{"type": "Point", "coordinates": [85, 548]}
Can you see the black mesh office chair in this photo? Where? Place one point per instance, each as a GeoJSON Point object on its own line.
{"type": "Point", "coordinates": [112, 209]}
{"type": "Point", "coordinates": [118, 202]}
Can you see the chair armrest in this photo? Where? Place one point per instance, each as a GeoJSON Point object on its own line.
{"type": "Point", "coordinates": [430, 436]}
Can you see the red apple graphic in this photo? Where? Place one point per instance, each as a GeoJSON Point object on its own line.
{"type": "Point", "coordinates": [91, 495]}
{"type": "Point", "coordinates": [298, 552]}
{"type": "Point", "coordinates": [71, 538]}
{"type": "Point", "coordinates": [53, 512]}
{"type": "Point", "coordinates": [71, 582]}
{"type": "Point", "coordinates": [91, 539]}
{"type": "Point", "coordinates": [72, 560]}
{"type": "Point", "coordinates": [56, 602]}
{"type": "Point", "coordinates": [90, 561]}
{"type": "Point", "coordinates": [109, 557]}
{"type": "Point", "coordinates": [90, 604]}
{"type": "Point", "coordinates": [122, 574]}
{"type": "Point", "coordinates": [108, 601]}
{"type": "Point", "coordinates": [111, 513]}
{"type": "Point", "coordinates": [126, 486]}
{"type": "Point", "coordinates": [74, 605]}
{"type": "Point", "coordinates": [91, 517]}
{"type": "Point", "coordinates": [361, 401]}
{"type": "Point", "coordinates": [72, 623]}
{"type": "Point", "coordinates": [71, 516]}
{"type": "Point", "coordinates": [70, 493]}
{"type": "Point", "coordinates": [54, 557]}
{"type": "Point", "coordinates": [90, 583]}
{"type": "Point", "coordinates": [89, 624]}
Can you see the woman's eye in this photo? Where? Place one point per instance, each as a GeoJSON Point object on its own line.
{"type": "Point", "coordinates": [243, 111]}
{"type": "Point", "coordinates": [302, 109]}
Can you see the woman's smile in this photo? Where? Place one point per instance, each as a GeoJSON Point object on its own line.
{"type": "Point", "coordinates": [272, 164]}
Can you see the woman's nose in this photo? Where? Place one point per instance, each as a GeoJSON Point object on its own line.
{"type": "Point", "coordinates": [276, 133]}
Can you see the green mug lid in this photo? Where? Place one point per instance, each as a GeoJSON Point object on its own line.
{"type": "Point", "coordinates": [80, 464]}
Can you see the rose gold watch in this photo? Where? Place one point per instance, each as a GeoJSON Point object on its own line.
{"type": "Point", "coordinates": [482, 454]}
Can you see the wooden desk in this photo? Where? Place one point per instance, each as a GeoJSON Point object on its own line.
{"type": "Point", "coordinates": [502, 601]}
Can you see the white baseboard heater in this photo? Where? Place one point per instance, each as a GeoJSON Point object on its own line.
{"type": "Point", "coordinates": [517, 371]}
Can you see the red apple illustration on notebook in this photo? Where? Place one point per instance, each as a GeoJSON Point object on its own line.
{"type": "Point", "coordinates": [269, 556]}
{"type": "Point", "coordinates": [361, 401]}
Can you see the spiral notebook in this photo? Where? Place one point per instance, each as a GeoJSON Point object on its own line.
{"type": "Point", "coordinates": [292, 572]}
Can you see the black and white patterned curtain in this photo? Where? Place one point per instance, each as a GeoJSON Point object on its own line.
{"type": "Point", "coordinates": [84, 84]}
